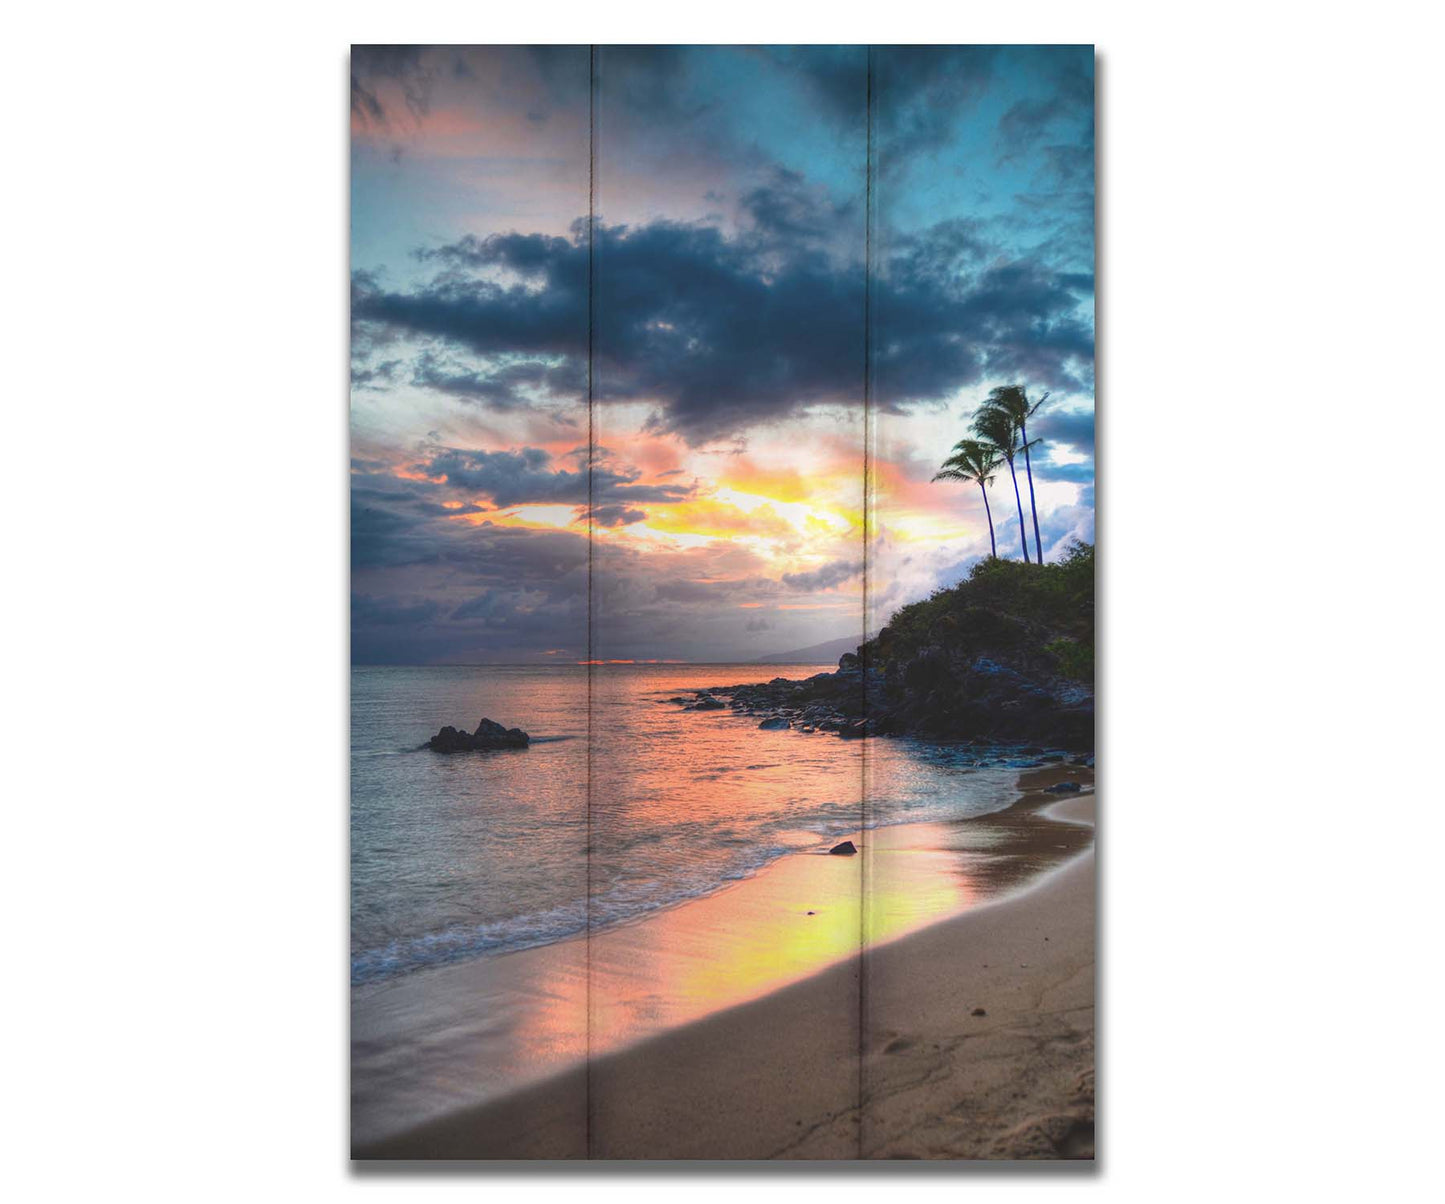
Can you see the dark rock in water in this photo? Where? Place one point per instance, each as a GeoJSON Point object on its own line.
{"type": "Point", "coordinates": [450, 740]}
{"type": "Point", "coordinates": [494, 735]}
{"type": "Point", "coordinates": [708, 703]}
{"type": "Point", "coordinates": [1052, 758]}
{"type": "Point", "coordinates": [1063, 788]}
{"type": "Point", "coordinates": [489, 735]}
{"type": "Point", "coordinates": [855, 730]}
{"type": "Point", "coordinates": [776, 724]}
{"type": "Point", "coordinates": [846, 849]}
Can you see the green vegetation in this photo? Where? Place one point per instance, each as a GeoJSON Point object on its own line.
{"type": "Point", "coordinates": [1042, 615]}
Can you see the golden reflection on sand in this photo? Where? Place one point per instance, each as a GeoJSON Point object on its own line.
{"type": "Point", "coordinates": [465, 1033]}
{"type": "Point", "coordinates": [799, 915]}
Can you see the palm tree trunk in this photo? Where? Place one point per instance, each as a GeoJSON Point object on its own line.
{"type": "Point", "coordinates": [989, 513]}
{"type": "Point", "coordinates": [1033, 505]}
{"type": "Point", "coordinates": [1018, 501]}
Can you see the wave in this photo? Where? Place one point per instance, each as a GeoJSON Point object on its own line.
{"type": "Point", "coordinates": [619, 904]}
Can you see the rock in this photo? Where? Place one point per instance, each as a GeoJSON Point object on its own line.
{"type": "Point", "coordinates": [776, 724]}
{"type": "Point", "coordinates": [450, 740]}
{"type": "Point", "coordinates": [979, 1012]}
{"type": "Point", "coordinates": [1063, 788]}
{"type": "Point", "coordinates": [855, 730]}
{"type": "Point", "coordinates": [1052, 758]}
{"type": "Point", "coordinates": [494, 735]}
{"type": "Point", "coordinates": [846, 849]}
{"type": "Point", "coordinates": [709, 703]}
{"type": "Point", "coordinates": [489, 735]}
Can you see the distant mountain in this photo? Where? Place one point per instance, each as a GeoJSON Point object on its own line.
{"type": "Point", "coordinates": [826, 653]}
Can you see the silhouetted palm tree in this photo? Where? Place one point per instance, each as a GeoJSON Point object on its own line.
{"type": "Point", "coordinates": [1015, 402]}
{"type": "Point", "coordinates": [973, 461]}
{"type": "Point", "coordinates": [997, 428]}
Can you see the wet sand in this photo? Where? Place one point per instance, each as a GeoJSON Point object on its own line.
{"type": "Point", "coordinates": [879, 1056]}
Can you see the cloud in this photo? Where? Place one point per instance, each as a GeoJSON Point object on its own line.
{"type": "Point", "coordinates": [827, 576]}
{"type": "Point", "coordinates": [616, 516]}
{"type": "Point", "coordinates": [1073, 427]}
{"type": "Point", "coordinates": [724, 333]}
{"type": "Point", "coordinates": [372, 612]}
{"type": "Point", "coordinates": [511, 384]}
{"type": "Point", "coordinates": [524, 476]}
{"type": "Point", "coordinates": [403, 68]}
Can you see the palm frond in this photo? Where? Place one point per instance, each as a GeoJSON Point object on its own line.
{"type": "Point", "coordinates": [972, 460]}
{"type": "Point", "coordinates": [998, 428]}
{"type": "Point", "coordinates": [1014, 400]}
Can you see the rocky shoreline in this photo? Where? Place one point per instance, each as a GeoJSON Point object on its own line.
{"type": "Point", "coordinates": [982, 701]}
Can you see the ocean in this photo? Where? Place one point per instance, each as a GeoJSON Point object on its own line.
{"type": "Point", "coordinates": [473, 855]}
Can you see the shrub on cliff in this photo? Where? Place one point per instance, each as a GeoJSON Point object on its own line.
{"type": "Point", "coordinates": [1043, 614]}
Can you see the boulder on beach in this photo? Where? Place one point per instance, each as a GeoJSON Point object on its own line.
{"type": "Point", "coordinates": [776, 724]}
{"type": "Point", "coordinates": [846, 849]}
{"type": "Point", "coordinates": [708, 703]}
{"type": "Point", "coordinates": [1062, 788]}
{"type": "Point", "coordinates": [489, 735]}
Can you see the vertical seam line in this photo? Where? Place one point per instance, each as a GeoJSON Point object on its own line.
{"type": "Point", "coordinates": [591, 510]}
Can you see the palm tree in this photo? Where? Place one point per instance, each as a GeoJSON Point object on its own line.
{"type": "Point", "coordinates": [973, 461]}
{"type": "Point", "coordinates": [997, 428]}
{"type": "Point", "coordinates": [1015, 403]}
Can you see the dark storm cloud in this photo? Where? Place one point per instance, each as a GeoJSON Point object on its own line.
{"type": "Point", "coordinates": [789, 215]}
{"type": "Point", "coordinates": [1065, 426]}
{"type": "Point", "coordinates": [506, 387]}
{"type": "Point", "coordinates": [724, 333]}
{"type": "Point", "coordinates": [526, 476]}
{"type": "Point", "coordinates": [826, 576]}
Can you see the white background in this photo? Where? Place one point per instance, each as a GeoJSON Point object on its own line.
{"type": "Point", "coordinates": [174, 494]}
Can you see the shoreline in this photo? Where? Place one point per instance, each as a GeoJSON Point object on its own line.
{"type": "Point", "coordinates": [779, 1074]}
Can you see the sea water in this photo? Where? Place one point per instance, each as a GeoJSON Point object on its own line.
{"type": "Point", "coordinates": [604, 821]}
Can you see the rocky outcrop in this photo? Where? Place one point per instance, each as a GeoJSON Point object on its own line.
{"type": "Point", "coordinates": [1004, 659]}
{"type": "Point", "coordinates": [936, 694]}
{"type": "Point", "coordinates": [846, 849]}
{"type": "Point", "coordinates": [489, 735]}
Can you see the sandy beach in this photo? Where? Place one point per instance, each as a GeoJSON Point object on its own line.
{"type": "Point", "coordinates": [970, 1037]}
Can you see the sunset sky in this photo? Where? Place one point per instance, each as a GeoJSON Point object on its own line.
{"type": "Point", "coordinates": [730, 209]}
